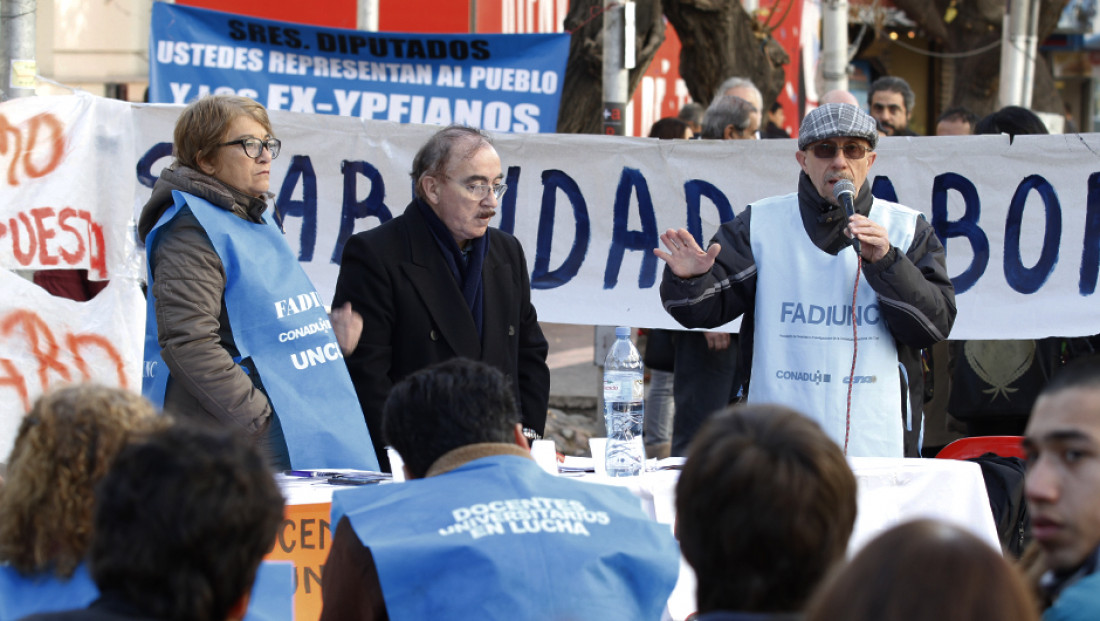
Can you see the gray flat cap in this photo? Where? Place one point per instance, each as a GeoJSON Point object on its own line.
{"type": "Point", "coordinates": [836, 120]}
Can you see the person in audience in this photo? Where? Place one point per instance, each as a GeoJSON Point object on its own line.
{"type": "Point", "coordinates": [182, 521]}
{"type": "Point", "coordinates": [956, 121]}
{"type": "Point", "coordinates": [64, 446]}
{"type": "Point", "coordinates": [890, 101]}
{"type": "Point", "coordinates": [1062, 487]}
{"type": "Point", "coordinates": [838, 96]}
{"type": "Point", "coordinates": [777, 118]}
{"type": "Point", "coordinates": [764, 507]}
{"type": "Point", "coordinates": [921, 571]}
{"type": "Point", "coordinates": [671, 128]}
{"type": "Point", "coordinates": [480, 531]}
{"type": "Point", "coordinates": [692, 114]}
{"type": "Point", "coordinates": [1011, 120]}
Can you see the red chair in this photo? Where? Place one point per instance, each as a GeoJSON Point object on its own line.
{"type": "Point", "coordinates": [965, 448]}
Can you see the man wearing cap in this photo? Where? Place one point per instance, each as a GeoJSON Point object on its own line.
{"type": "Point", "coordinates": [784, 264]}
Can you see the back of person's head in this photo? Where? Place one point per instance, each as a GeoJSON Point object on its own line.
{"type": "Point", "coordinates": [202, 125]}
{"type": "Point", "coordinates": [959, 114]}
{"type": "Point", "coordinates": [692, 113]}
{"type": "Point", "coordinates": [727, 110]}
{"type": "Point", "coordinates": [924, 570]}
{"type": "Point", "coordinates": [765, 505]}
{"type": "Point", "coordinates": [894, 85]}
{"type": "Point", "coordinates": [669, 128]}
{"type": "Point", "coordinates": [183, 520]}
{"type": "Point", "coordinates": [743, 88]}
{"type": "Point", "coordinates": [1011, 120]}
{"type": "Point", "coordinates": [1081, 373]}
{"type": "Point", "coordinates": [64, 446]}
{"type": "Point", "coordinates": [445, 146]}
{"type": "Point", "coordinates": [447, 406]}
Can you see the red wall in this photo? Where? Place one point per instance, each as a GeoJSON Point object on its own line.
{"type": "Point", "coordinates": [332, 13]}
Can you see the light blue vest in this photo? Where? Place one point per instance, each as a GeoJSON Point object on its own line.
{"type": "Point", "coordinates": [280, 322]}
{"type": "Point", "coordinates": [1078, 602]}
{"type": "Point", "coordinates": [802, 348]}
{"type": "Point", "coordinates": [272, 593]}
{"type": "Point", "coordinates": [22, 595]}
{"type": "Point", "coordinates": [499, 538]}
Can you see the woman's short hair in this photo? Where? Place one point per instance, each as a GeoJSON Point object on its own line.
{"type": "Point", "coordinates": [202, 125]}
{"type": "Point", "coordinates": [925, 569]}
{"type": "Point", "coordinates": [64, 446]}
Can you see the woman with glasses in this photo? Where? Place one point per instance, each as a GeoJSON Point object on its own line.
{"type": "Point", "coordinates": [236, 333]}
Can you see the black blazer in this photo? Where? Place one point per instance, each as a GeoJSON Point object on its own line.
{"type": "Point", "coordinates": [414, 315]}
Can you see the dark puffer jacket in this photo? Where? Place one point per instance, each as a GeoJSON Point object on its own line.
{"type": "Point", "coordinates": [192, 324]}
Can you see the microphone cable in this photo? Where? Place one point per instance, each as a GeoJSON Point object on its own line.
{"type": "Point", "coordinates": [855, 351]}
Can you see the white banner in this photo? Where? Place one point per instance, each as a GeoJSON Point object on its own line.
{"type": "Point", "coordinates": [1021, 221]}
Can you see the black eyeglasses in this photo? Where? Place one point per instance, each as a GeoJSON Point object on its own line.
{"type": "Point", "coordinates": [253, 147]}
{"type": "Point", "coordinates": [827, 150]}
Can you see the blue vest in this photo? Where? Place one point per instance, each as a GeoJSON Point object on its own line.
{"type": "Point", "coordinates": [272, 593]}
{"type": "Point", "coordinates": [1078, 602]}
{"type": "Point", "coordinates": [498, 538]}
{"type": "Point", "coordinates": [280, 323]}
{"type": "Point", "coordinates": [22, 595]}
{"type": "Point", "coordinates": [802, 348]}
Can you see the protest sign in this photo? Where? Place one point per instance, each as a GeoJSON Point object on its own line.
{"type": "Point", "coordinates": [507, 83]}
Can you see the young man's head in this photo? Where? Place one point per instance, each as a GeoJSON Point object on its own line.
{"type": "Point", "coordinates": [182, 521]}
{"type": "Point", "coordinates": [765, 505]}
{"type": "Point", "coordinates": [447, 406]}
{"type": "Point", "coordinates": [891, 103]}
{"type": "Point", "coordinates": [1062, 442]}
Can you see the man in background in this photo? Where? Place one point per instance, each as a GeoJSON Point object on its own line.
{"type": "Point", "coordinates": [891, 103]}
{"type": "Point", "coordinates": [956, 121]}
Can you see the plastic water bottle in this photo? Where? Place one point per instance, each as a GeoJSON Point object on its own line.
{"type": "Point", "coordinates": [624, 409]}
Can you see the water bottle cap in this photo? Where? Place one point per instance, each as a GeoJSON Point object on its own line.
{"type": "Point", "coordinates": [622, 331]}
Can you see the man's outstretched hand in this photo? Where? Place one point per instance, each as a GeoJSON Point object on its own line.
{"type": "Point", "coordinates": [684, 257]}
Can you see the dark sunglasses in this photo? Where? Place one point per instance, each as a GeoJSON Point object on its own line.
{"type": "Point", "coordinates": [827, 150]}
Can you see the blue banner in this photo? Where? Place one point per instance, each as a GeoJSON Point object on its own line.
{"type": "Point", "coordinates": [509, 83]}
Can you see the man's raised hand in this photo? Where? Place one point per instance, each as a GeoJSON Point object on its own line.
{"type": "Point", "coordinates": [684, 257]}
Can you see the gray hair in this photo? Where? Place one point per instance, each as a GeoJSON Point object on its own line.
{"type": "Point", "coordinates": [449, 143]}
{"type": "Point", "coordinates": [894, 85]}
{"type": "Point", "coordinates": [727, 110]}
{"type": "Point", "coordinates": [739, 82]}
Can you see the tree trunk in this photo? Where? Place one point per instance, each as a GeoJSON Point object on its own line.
{"type": "Point", "coordinates": [582, 91]}
{"type": "Point", "coordinates": [976, 25]}
{"type": "Point", "coordinates": [719, 40]}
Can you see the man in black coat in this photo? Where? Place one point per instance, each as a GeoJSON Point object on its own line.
{"type": "Point", "coordinates": [435, 283]}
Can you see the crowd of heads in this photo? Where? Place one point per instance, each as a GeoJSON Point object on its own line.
{"type": "Point", "coordinates": [171, 518]}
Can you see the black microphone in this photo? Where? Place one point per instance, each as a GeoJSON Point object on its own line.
{"type": "Point", "coordinates": [844, 191]}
